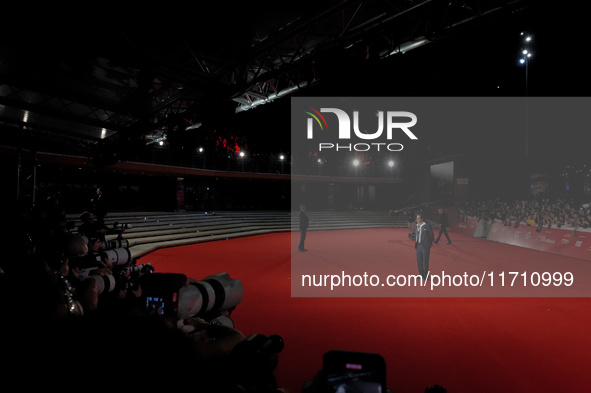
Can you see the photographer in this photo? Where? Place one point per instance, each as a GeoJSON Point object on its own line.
{"type": "Point", "coordinates": [443, 224]}
{"type": "Point", "coordinates": [99, 206]}
{"type": "Point", "coordinates": [76, 256]}
{"type": "Point", "coordinates": [90, 228]}
{"type": "Point", "coordinates": [94, 277]}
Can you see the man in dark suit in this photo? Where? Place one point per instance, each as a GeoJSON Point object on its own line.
{"type": "Point", "coordinates": [443, 224]}
{"type": "Point", "coordinates": [423, 240]}
{"type": "Point", "coordinates": [100, 208]}
{"type": "Point", "coordinates": [304, 222]}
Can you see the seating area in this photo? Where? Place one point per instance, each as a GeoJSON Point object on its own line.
{"type": "Point", "coordinates": [153, 230]}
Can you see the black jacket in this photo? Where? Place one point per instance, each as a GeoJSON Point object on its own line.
{"type": "Point", "coordinates": [303, 220]}
{"type": "Point", "coordinates": [427, 236]}
{"type": "Point", "coordinates": [443, 220]}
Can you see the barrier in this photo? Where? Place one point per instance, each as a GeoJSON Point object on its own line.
{"type": "Point", "coordinates": [467, 227]}
{"type": "Point", "coordinates": [554, 240]}
{"type": "Point", "coordinates": [483, 228]}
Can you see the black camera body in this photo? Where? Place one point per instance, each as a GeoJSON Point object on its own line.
{"type": "Point", "coordinates": [253, 362]}
{"type": "Point", "coordinates": [176, 297]}
{"type": "Point", "coordinates": [160, 293]}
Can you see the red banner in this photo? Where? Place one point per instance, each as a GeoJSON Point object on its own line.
{"type": "Point", "coordinates": [554, 240]}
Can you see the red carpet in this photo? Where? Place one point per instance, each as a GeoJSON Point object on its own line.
{"type": "Point", "coordinates": [466, 344]}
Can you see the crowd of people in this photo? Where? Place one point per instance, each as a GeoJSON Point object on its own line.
{"type": "Point", "coordinates": [541, 212]}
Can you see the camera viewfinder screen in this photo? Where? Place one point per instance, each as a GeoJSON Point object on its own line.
{"type": "Point", "coordinates": [155, 305]}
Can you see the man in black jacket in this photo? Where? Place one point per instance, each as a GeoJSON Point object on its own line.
{"type": "Point", "coordinates": [423, 240]}
{"type": "Point", "coordinates": [100, 208]}
{"type": "Point", "coordinates": [443, 224]}
{"type": "Point", "coordinates": [304, 222]}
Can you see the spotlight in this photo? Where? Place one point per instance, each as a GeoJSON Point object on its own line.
{"type": "Point", "coordinates": [356, 162]}
{"type": "Point", "coordinates": [390, 163]}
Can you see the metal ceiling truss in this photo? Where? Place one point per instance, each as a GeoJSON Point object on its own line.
{"type": "Point", "coordinates": [166, 84]}
{"type": "Point", "coordinates": [380, 28]}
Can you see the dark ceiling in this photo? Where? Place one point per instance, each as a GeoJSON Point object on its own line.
{"type": "Point", "coordinates": [80, 83]}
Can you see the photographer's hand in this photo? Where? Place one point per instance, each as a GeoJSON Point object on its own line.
{"type": "Point", "coordinates": [75, 271]}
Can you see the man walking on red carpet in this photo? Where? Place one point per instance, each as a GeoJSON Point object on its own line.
{"type": "Point", "coordinates": [304, 221]}
{"type": "Point", "coordinates": [443, 224]}
{"type": "Point", "coordinates": [423, 240]}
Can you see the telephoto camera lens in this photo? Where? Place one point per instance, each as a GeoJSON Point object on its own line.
{"type": "Point", "coordinates": [112, 244]}
{"type": "Point", "coordinates": [117, 225]}
{"type": "Point", "coordinates": [214, 293]}
{"type": "Point", "coordinates": [117, 256]}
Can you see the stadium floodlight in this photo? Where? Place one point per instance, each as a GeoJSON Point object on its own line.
{"type": "Point", "coordinates": [524, 60]}
{"type": "Point", "coordinates": [525, 52]}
